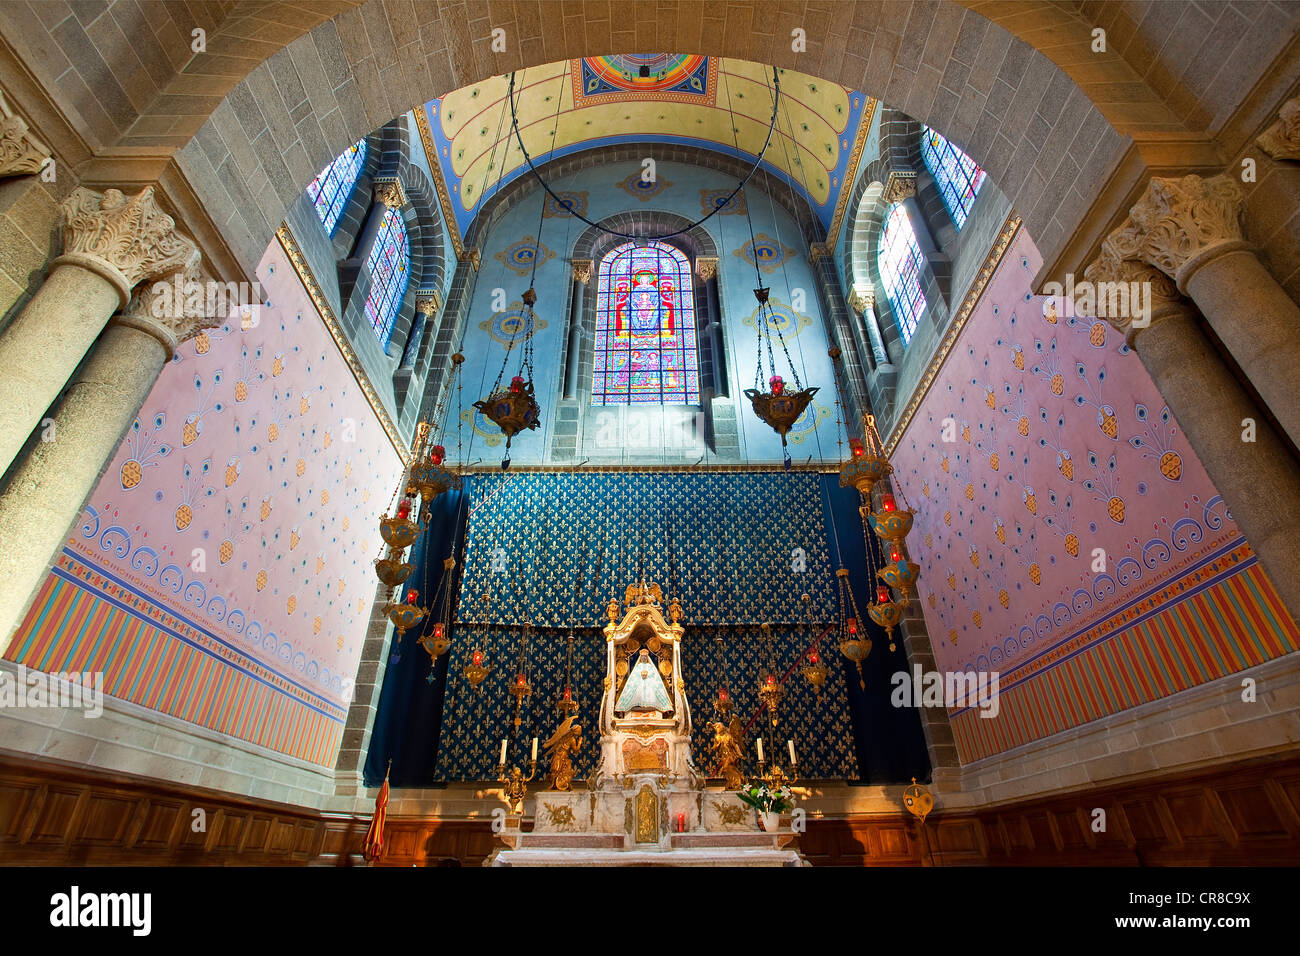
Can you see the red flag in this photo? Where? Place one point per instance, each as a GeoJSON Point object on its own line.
{"type": "Point", "coordinates": [373, 849]}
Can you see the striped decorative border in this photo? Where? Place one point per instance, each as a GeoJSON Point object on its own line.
{"type": "Point", "coordinates": [308, 280]}
{"type": "Point", "coordinates": [439, 181]}
{"type": "Point", "coordinates": [951, 334]}
{"type": "Point", "coordinates": [75, 626]}
{"type": "Point", "coordinates": [1180, 635]}
{"type": "Point", "coordinates": [851, 170]}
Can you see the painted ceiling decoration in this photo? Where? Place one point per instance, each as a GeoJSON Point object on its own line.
{"type": "Point", "coordinates": [679, 99]}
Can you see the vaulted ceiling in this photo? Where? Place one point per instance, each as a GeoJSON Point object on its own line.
{"type": "Point", "coordinates": [658, 98]}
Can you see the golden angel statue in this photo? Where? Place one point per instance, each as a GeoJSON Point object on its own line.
{"type": "Point", "coordinates": [728, 749]}
{"type": "Point", "coordinates": [561, 748]}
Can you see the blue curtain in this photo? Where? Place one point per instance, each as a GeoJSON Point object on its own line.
{"type": "Point", "coordinates": [408, 720]}
{"type": "Point", "coordinates": [889, 740]}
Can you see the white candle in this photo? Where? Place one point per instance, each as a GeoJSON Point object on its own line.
{"type": "Point", "coordinates": [790, 744]}
{"type": "Point", "coordinates": [503, 753]}
{"type": "Point", "coordinates": [534, 750]}
{"type": "Point", "coordinates": [760, 749]}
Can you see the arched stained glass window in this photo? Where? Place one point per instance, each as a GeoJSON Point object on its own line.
{"type": "Point", "coordinates": [958, 177]}
{"type": "Point", "coordinates": [645, 328]}
{"type": "Point", "coordinates": [899, 259]}
{"type": "Point", "coordinates": [389, 266]}
{"type": "Point", "coordinates": [330, 190]}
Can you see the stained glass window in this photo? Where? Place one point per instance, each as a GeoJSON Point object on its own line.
{"type": "Point", "coordinates": [958, 177]}
{"type": "Point", "coordinates": [899, 259]}
{"type": "Point", "coordinates": [645, 328]}
{"type": "Point", "coordinates": [389, 264]}
{"type": "Point", "coordinates": [330, 190]}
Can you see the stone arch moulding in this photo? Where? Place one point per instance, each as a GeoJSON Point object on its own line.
{"type": "Point", "coordinates": [331, 57]}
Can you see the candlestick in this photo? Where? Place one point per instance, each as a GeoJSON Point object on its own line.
{"type": "Point", "coordinates": [503, 753]}
{"type": "Point", "coordinates": [760, 749]}
{"type": "Point", "coordinates": [790, 744]}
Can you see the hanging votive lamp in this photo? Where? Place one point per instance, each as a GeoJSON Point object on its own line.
{"type": "Point", "coordinates": [405, 615]}
{"type": "Point", "coordinates": [815, 671]}
{"type": "Point", "coordinates": [476, 670]}
{"type": "Point", "coordinates": [852, 645]}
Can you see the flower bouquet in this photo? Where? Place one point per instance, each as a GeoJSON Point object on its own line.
{"type": "Point", "coordinates": [770, 802]}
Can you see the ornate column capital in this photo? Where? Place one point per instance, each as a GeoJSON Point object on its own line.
{"type": "Point", "coordinates": [900, 185]}
{"type": "Point", "coordinates": [21, 153]}
{"type": "Point", "coordinates": [472, 255]}
{"type": "Point", "coordinates": [862, 300]}
{"type": "Point", "coordinates": [1110, 271]}
{"type": "Point", "coordinates": [123, 240]}
{"type": "Point", "coordinates": [428, 302]}
{"type": "Point", "coordinates": [706, 267]}
{"type": "Point", "coordinates": [582, 269]}
{"type": "Point", "coordinates": [1181, 224]}
{"type": "Point", "coordinates": [173, 309]}
{"type": "Point", "coordinates": [389, 191]}
{"type": "Point", "coordinates": [1282, 139]}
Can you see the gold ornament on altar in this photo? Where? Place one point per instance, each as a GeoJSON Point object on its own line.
{"type": "Point", "coordinates": [514, 787]}
{"type": "Point", "coordinates": [918, 800]}
{"type": "Point", "coordinates": [728, 750]}
{"type": "Point", "coordinates": [560, 750]}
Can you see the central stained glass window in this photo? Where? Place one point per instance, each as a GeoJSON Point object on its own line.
{"type": "Point", "coordinates": [645, 328]}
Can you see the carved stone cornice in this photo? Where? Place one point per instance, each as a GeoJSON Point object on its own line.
{"type": "Point", "coordinates": [21, 153]}
{"type": "Point", "coordinates": [900, 185]}
{"type": "Point", "coordinates": [123, 240]}
{"type": "Point", "coordinates": [1180, 224]}
{"type": "Point", "coordinates": [472, 255]}
{"type": "Point", "coordinates": [1109, 267]}
{"type": "Point", "coordinates": [582, 269]}
{"type": "Point", "coordinates": [706, 267]}
{"type": "Point", "coordinates": [389, 191]}
{"type": "Point", "coordinates": [1282, 139]}
{"type": "Point", "coordinates": [819, 250]}
{"type": "Point", "coordinates": [173, 309]}
{"type": "Point", "coordinates": [428, 302]}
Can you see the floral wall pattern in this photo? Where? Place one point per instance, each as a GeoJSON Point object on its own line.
{"type": "Point", "coordinates": [222, 570]}
{"type": "Point", "coordinates": [1069, 537]}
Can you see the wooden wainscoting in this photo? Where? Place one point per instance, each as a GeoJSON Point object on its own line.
{"type": "Point", "coordinates": [53, 813]}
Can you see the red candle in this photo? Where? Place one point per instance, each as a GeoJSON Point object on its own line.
{"type": "Point", "coordinates": [853, 625]}
{"type": "Point", "coordinates": [437, 454]}
{"type": "Point", "coordinates": [813, 657]}
{"type": "Point", "coordinates": [411, 596]}
{"type": "Point", "coordinates": [517, 384]}
{"type": "Point", "coordinates": [404, 508]}
{"type": "Point", "coordinates": [568, 693]}
{"type": "Point", "coordinates": [887, 501]}
{"type": "Point", "coordinates": [681, 823]}
{"type": "Point", "coordinates": [771, 680]}
{"type": "Point", "coordinates": [856, 445]}
{"type": "Point", "coordinates": [777, 383]}
{"type": "Point", "coordinates": [437, 630]}
{"type": "Point", "coordinates": [520, 680]}
{"type": "Point", "coordinates": [895, 556]}
{"type": "Point", "coordinates": [722, 694]}
{"type": "Point", "coordinates": [478, 658]}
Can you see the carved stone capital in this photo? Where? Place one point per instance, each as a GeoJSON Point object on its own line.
{"type": "Point", "coordinates": [1282, 139]}
{"type": "Point", "coordinates": [582, 269]}
{"type": "Point", "coordinates": [1146, 288]}
{"type": "Point", "coordinates": [706, 267]}
{"type": "Point", "coordinates": [900, 185]}
{"type": "Point", "coordinates": [21, 153]}
{"type": "Point", "coordinates": [861, 301]}
{"type": "Point", "coordinates": [390, 192]}
{"type": "Point", "coordinates": [123, 240]}
{"type": "Point", "coordinates": [172, 309]}
{"type": "Point", "coordinates": [472, 255]}
{"type": "Point", "coordinates": [428, 302]}
{"type": "Point", "coordinates": [1180, 224]}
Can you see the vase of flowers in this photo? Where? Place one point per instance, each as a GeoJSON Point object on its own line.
{"type": "Point", "coordinates": [769, 802]}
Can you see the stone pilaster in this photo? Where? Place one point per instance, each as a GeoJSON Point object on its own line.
{"type": "Point", "coordinates": [49, 487]}
{"type": "Point", "coordinates": [1190, 229]}
{"type": "Point", "coordinates": [111, 243]}
{"type": "Point", "coordinates": [1258, 479]}
{"type": "Point", "coordinates": [21, 153]}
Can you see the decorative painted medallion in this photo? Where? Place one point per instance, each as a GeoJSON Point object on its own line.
{"type": "Point", "coordinates": [570, 202]}
{"type": "Point", "coordinates": [770, 253]}
{"type": "Point", "coordinates": [519, 256]}
{"type": "Point", "coordinates": [635, 185]}
{"type": "Point", "coordinates": [515, 324]}
{"type": "Point", "coordinates": [711, 199]}
{"type": "Point", "coordinates": [806, 424]}
{"type": "Point", "coordinates": [783, 319]}
{"type": "Point", "coordinates": [489, 432]}
{"type": "Point", "coordinates": [625, 77]}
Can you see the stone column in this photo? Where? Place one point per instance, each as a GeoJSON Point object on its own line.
{"type": "Point", "coordinates": [1190, 230]}
{"type": "Point", "coordinates": [1258, 480]}
{"type": "Point", "coordinates": [582, 270]}
{"type": "Point", "coordinates": [50, 486]}
{"type": "Point", "coordinates": [110, 244]}
{"type": "Point", "coordinates": [21, 153]}
{"type": "Point", "coordinates": [427, 303]}
{"type": "Point", "coordinates": [706, 269]}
